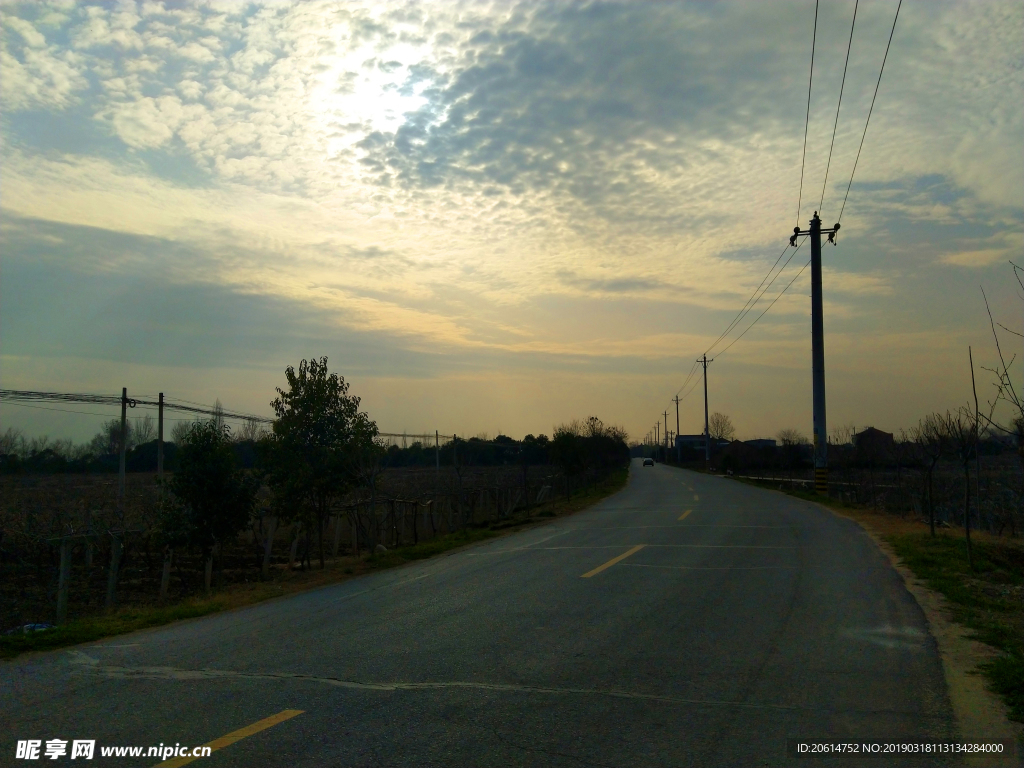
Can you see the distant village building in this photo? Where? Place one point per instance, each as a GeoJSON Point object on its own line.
{"type": "Point", "coordinates": [873, 440]}
{"type": "Point", "coordinates": [690, 442]}
{"type": "Point", "coordinates": [761, 442]}
{"type": "Point", "coordinates": [696, 442]}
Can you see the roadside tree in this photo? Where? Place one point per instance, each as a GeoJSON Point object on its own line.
{"type": "Point", "coordinates": [308, 456]}
{"type": "Point", "coordinates": [214, 497]}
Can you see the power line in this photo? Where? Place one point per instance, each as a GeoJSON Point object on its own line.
{"type": "Point", "coordinates": [739, 315]}
{"type": "Point", "coordinates": [692, 368]}
{"type": "Point", "coordinates": [22, 398]}
{"type": "Point", "coordinates": [683, 395]}
{"type": "Point", "coordinates": [835, 125]}
{"type": "Point", "coordinates": [766, 308]}
{"type": "Point", "coordinates": [746, 311]}
{"type": "Point", "coordinates": [807, 117]}
{"type": "Point", "coordinates": [866, 122]}
{"type": "Point", "coordinates": [60, 410]}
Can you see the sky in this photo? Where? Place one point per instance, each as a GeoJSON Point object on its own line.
{"type": "Point", "coordinates": [496, 217]}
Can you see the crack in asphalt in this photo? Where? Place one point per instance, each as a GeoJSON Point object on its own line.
{"type": "Point", "coordinates": [89, 666]}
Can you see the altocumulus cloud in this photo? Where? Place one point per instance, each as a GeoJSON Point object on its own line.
{"type": "Point", "coordinates": [441, 175]}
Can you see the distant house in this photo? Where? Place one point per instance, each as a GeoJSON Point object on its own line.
{"type": "Point", "coordinates": [873, 440]}
{"type": "Point", "coordinates": [690, 442]}
{"type": "Point", "coordinates": [761, 442]}
{"type": "Point", "coordinates": [696, 442]}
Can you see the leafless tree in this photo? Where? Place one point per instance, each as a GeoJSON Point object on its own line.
{"type": "Point", "coordinates": [1005, 389]}
{"type": "Point", "coordinates": [251, 429]}
{"type": "Point", "coordinates": [108, 439]}
{"type": "Point", "coordinates": [932, 439]}
{"type": "Point", "coordinates": [791, 437]}
{"type": "Point", "coordinates": [720, 427]}
{"type": "Point", "coordinates": [218, 414]}
{"type": "Point", "coordinates": [843, 435]}
{"type": "Point", "coordinates": [962, 428]}
{"type": "Point", "coordinates": [903, 449]}
{"type": "Point", "coordinates": [143, 430]}
{"type": "Point", "coordinates": [13, 442]}
{"type": "Point", "coordinates": [179, 431]}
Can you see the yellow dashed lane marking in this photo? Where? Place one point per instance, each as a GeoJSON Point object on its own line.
{"type": "Point", "coordinates": [231, 738]}
{"type": "Point", "coordinates": [683, 516]}
{"type": "Point", "coordinates": [696, 497]}
{"type": "Point", "coordinates": [612, 562]}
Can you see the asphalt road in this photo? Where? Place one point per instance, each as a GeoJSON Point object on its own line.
{"type": "Point", "coordinates": [739, 618]}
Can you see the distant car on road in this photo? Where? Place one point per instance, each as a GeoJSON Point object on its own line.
{"type": "Point", "coordinates": [648, 462]}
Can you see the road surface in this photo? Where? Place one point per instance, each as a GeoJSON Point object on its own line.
{"type": "Point", "coordinates": [687, 620]}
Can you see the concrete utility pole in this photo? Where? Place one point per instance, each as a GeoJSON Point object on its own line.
{"type": "Point", "coordinates": [707, 432]}
{"type": "Point", "coordinates": [679, 456]}
{"type": "Point", "coordinates": [160, 439]}
{"type": "Point", "coordinates": [817, 350]}
{"type": "Point", "coordinates": [666, 435]}
{"type": "Point", "coordinates": [124, 448]}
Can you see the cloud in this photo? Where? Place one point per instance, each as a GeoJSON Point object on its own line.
{"type": "Point", "coordinates": [516, 184]}
{"type": "Point", "coordinates": [976, 258]}
{"type": "Point", "coordinates": [619, 285]}
{"type": "Point", "coordinates": [1003, 247]}
{"type": "Point", "coordinates": [148, 122]}
{"type": "Point", "coordinates": [29, 34]}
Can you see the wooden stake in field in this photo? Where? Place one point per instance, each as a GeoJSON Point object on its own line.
{"type": "Point", "coordinates": [115, 565]}
{"type": "Point", "coordinates": [64, 580]}
{"type": "Point", "coordinates": [165, 573]}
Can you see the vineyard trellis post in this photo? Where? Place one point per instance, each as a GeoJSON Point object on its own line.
{"type": "Point", "coordinates": [165, 572]}
{"type": "Point", "coordinates": [63, 580]}
{"type": "Point", "coordinates": [116, 544]}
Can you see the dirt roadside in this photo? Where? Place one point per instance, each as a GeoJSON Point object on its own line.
{"type": "Point", "coordinates": [980, 714]}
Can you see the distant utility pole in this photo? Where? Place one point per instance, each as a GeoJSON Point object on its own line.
{"type": "Point", "coordinates": [707, 432]}
{"type": "Point", "coordinates": [679, 456]}
{"type": "Point", "coordinates": [666, 435]}
{"type": "Point", "coordinates": [817, 349]}
{"type": "Point", "coordinates": [123, 448]}
{"type": "Point", "coordinates": [160, 439]}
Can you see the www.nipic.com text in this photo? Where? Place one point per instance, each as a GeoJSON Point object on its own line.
{"type": "Point", "coordinates": [52, 749]}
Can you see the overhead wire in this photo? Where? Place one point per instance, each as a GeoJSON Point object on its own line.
{"type": "Point", "coordinates": [835, 125]}
{"type": "Point", "coordinates": [761, 289]}
{"type": "Point", "coordinates": [60, 410]}
{"type": "Point", "coordinates": [871, 108]}
{"type": "Point", "coordinates": [807, 117]}
{"type": "Point", "coordinates": [687, 379]}
{"type": "Point", "coordinates": [739, 315]}
{"type": "Point", "coordinates": [790, 285]}
{"type": "Point", "coordinates": [759, 292]}
{"type": "Point", "coordinates": [743, 313]}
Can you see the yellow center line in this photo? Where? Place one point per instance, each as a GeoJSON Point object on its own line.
{"type": "Point", "coordinates": [231, 738]}
{"type": "Point", "coordinates": [696, 497]}
{"type": "Point", "coordinates": [612, 562]}
{"type": "Point", "coordinates": [683, 516]}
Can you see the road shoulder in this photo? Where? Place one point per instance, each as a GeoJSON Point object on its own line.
{"type": "Point", "coordinates": [980, 714]}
